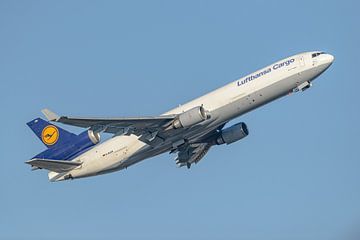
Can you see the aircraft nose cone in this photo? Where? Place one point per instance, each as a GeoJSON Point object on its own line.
{"type": "Point", "coordinates": [330, 58]}
{"type": "Point", "coordinates": [327, 60]}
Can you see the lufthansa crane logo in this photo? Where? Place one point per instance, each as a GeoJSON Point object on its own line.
{"type": "Point", "coordinates": [50, 135]}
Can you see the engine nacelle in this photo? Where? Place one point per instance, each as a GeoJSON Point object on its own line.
{"type": "Point", "coordinates": [87, 139]}
{"type": "Point", "coordinates": [232, 134]}
{"type": "Point", "coordinates": [94, 137]}
{"type": "Point", "coordinates": [190, 118]}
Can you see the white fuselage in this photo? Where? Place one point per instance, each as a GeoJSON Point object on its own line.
{"type": "Point", "coordinates": [223, 104]}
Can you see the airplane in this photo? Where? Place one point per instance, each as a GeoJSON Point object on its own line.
{"type": "Point", "coordinates": [188, 131]}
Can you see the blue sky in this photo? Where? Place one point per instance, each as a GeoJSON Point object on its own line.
{"type": "Point", "coordinates": [296, 176]}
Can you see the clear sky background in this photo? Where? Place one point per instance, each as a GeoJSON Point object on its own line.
{"type": "Point", "coordinates": [296, 176]}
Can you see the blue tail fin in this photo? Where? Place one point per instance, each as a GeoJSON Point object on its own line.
{"type": "Point", "coordinates": [49, 134]}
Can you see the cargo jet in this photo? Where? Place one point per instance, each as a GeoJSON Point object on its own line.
{"type": "Point", "coordinates": [188, 131]}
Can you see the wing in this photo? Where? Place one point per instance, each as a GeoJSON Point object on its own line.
{"type": "Point", "coordinates": [53, 165]}
{"type": "Point", "coordinates": [191, 153]}
{"type": "Point", "coordinates": [147, 126]}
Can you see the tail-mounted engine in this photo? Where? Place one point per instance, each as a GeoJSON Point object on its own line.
{"type": "Point", "coordinates": [94, 137]}
{"type": "Point", "coordinates": [87, 139]}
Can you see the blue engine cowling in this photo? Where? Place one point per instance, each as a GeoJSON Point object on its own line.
{"type": "Point", "coordinates": [72, 148]}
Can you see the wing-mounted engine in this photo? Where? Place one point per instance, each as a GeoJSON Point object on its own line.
{"type": "Point", "coordinates": [190, 117]}
{"type": "Point", "coordinates": [232, 134]}
{"type": "Point", "coordinates": [189, 153]}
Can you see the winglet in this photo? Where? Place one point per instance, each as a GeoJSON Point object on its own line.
{"type": "Point", "coordinates": [51, 116]}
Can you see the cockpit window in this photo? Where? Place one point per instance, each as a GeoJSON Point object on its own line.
{"type": "Point", "coordinates": [317, 54]}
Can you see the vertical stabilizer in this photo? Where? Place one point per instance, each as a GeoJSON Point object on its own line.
{"type": "Point", "coordinates": [50, 134]}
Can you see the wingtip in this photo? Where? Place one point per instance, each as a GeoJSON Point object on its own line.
{"type": "Point", "coordinates": [51, 116]}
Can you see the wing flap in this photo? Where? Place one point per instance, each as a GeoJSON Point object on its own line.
{"type": "Point", "coordinates": [58, 166]}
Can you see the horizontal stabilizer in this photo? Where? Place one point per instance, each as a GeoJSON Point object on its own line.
{"type": "Point", "coordinates": [58, 166]}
